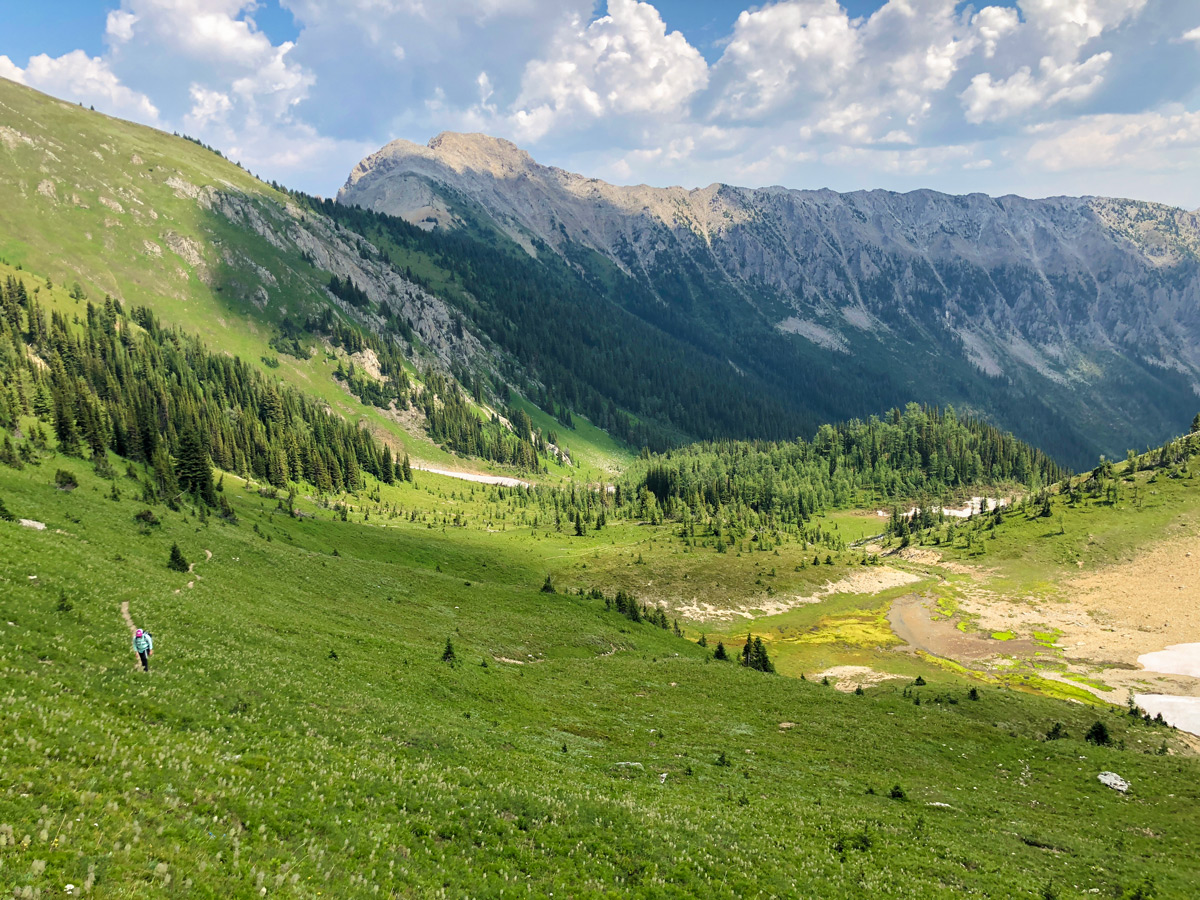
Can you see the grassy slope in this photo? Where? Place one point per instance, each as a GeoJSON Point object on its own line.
{"type": "Point", "coordinates": [250, 758]}
{"type": "Point", "coordinates": [1030, 554]}
{"type": "Point", "coordinates": [62, 169]}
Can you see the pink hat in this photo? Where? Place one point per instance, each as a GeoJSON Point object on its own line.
{"type": "Point", "coordinates": [139, 633]}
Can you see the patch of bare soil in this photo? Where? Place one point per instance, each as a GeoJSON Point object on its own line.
{"type": "Point", "coordinates": [912, 619]}
{"type": "Point", "coordinates": [847, 678]}
{"type": "Point", "coordinates": [864, 581]}
{"type": "Point", "coordinates": [926, 557]}
{"type": "Point", "coordinates": [1108, 618]}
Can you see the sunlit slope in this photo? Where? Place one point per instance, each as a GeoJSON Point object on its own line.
{"type": "Point", "coordinates": [300, 731]}
{"type": "Point", "coordinates": [157, 220]}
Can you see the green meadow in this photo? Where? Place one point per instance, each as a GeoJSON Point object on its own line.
{"type": "Point", "coordinates": [300, 733]}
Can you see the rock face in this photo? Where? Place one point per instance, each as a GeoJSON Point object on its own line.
{"type": "Point", "coordinates": [1079, 295]}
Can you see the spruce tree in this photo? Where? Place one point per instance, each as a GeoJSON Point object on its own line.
{"type": "Point", "coordinates": [720, 652]}
{"type": "Point", "coordinates": [448, 655]}
{"type": "Point", "coordinates": [177, 561]}
{"type": "Point", "coordinates": [64, 425]}
{"type": "Point", "coordinates": [5, 515]}
{"type": "Point", "coordinates": [759, 659]}
{"type": "Point", "coordinates": [192, 468]}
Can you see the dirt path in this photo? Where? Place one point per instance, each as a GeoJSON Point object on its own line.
{"type": "Point", "coordinates": [128, 618]}
{"type": "Point", "coordinates": [137, 664]}
{"type": "Point", "coordinates": [502, 480]}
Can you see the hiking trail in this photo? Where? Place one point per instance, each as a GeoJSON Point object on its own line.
{"type": "Point", "coordinates": [128, 619]}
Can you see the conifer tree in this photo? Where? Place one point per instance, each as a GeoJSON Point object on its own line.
{"type": "Point", "coordinates": [720, 652]}
{"type": "Point", "coordinates": [64, 425]}
{"type": "Point", "coordinates": [177, 561]}
{"type": "Point", "coordinates": [448, 655]}
{"type": "Point", "coordinates": [759, 659]}
{"type": "Point", "coordinates": [192, 469]}
{"type": "Point", "coordinates": [5, 515]}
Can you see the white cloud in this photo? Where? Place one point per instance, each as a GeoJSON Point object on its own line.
{"type": "Point", "coordinates": [784, 55]}
{"type": "Point", "coordinates": [119, 25]}
{"type": "Point", "coordinates": [1151, 141]}
{"type": "Point", "coordinates": [11, 71]}
{"type": "Point", "coordinates": [863, 80]}
{"type": "Point", "coordinates": [802, 93]}
{"type": "Point", "coordinates": [987, 100]}
{"type": "Point", "coordinates": [1070, 24]}
{"type": "Point", "coordinates": [624, 63]}
{"type": "Point", "coordinates": [919, 161]}
{"type": "Point", "coordinates": [207, 106]}
{"type": "Point", "coordinates": [77, 77]}
{"type": "Point", "coordinates": [994, 23]}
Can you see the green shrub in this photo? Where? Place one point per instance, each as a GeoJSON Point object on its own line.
{"type": "Point", "coordinates": [177, 562]}
{"type": "Point", "coordinates": [1098, 734]}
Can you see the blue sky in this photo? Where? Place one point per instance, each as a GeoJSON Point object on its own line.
{"type": "Point", "coordinates": [1036, 97]}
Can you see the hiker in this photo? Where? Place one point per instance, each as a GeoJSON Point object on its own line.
{"type": "Point", "coordinates": [144, 645]}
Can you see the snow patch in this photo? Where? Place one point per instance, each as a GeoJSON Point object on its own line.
{"type": "Point", "coordinates": [818, 334]}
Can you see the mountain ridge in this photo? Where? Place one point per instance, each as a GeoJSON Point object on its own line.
{"type": "Point", "coordinates": [1081, 293]}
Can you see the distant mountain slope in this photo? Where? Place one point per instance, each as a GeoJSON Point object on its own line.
{"type": "Point", "coordinates": [157, 220]}
{"type": "Point", "coordinates": [1074, 321]}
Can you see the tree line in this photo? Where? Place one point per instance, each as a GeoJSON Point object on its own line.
{"type": "Point", "coordinates": [126, 383]}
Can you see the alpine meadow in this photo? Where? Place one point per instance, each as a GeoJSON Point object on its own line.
{"type": "Point", "coordinates": [504, 533]}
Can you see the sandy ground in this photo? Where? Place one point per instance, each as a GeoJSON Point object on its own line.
{"type": "Point", "coordinates": [502, 480]}
{"type": "Point", "coordinates": [1105, 621]}
{"type": "Point", "coordinates": [847, 678]}
{"type": "Point", "coordinates": [1109, 618]}
{"type": "Point", "coordinates": [864, 581]}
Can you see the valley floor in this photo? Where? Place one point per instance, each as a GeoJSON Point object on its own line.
{"type": "Point", "coordinates": [301, 733]}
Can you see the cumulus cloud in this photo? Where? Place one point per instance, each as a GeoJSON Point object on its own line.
{"type": "Point", "coordinates": [1067, 25]}
{"type": "Point", "coordinates": [623, 64]}
{"type": "Point", "coordinates": [912, 92]}
{"type": "Point", "coordinates": [993, 24]}
{"type": "Point", "coordinates": [792, 52]}
{"type": "Point", "coordinates": [987, 99]}
{"type": "Point", "coordinates": [11, 71]}
{"type": "Point", "coordinates": [1155, 141]}
{"type": "Point", "coordinates": [81, 78]}
{"type": "Point", "coordinates": [867, 79]}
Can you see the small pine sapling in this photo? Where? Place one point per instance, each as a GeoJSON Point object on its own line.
{"type": "Point", "coordinates": [1098, 734]}
{"type": "Point", "coordinates": [448, 655]}
{"type": "Point", "coordinates": [177, 562]}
